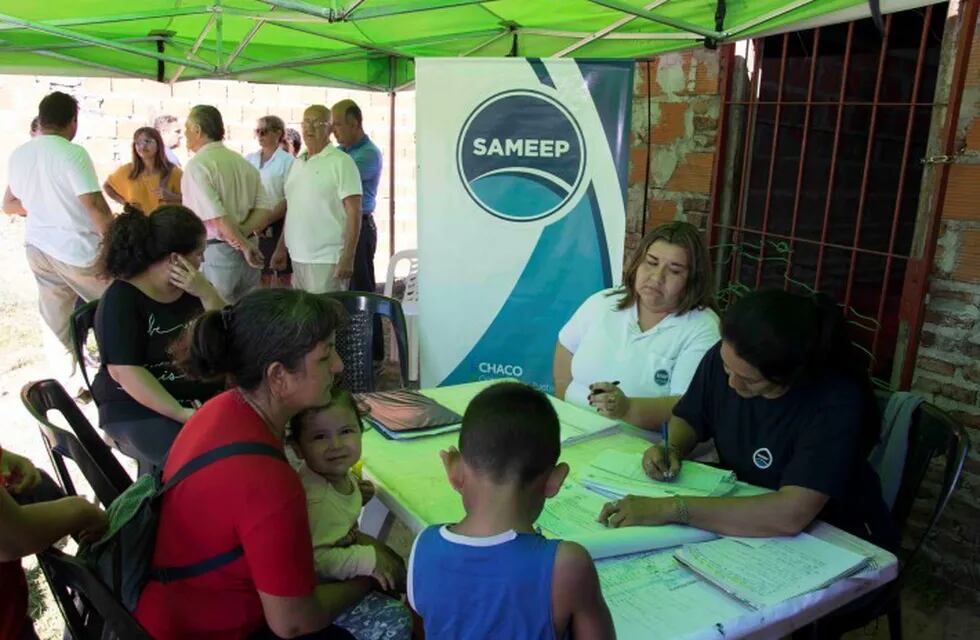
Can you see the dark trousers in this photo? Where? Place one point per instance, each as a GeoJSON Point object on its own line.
{"type": "Point", "coordinates": [147, 440]}
{"type": "Point", "coordinates": [363, 278]}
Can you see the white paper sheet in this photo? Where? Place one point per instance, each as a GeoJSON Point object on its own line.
{"type": "Point", "coordinates": [763, 575]}
{"type": "Point", "coordinates": [651, 595]}
{"type": "Point", "coordinates": [615, 473]}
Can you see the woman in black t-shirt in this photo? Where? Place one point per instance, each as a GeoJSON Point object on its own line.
{"type": "Point", "coordinates": [788, 401]}
{"type": "Point", "coordinates": [157, 290]}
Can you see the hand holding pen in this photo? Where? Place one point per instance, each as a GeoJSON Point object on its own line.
{"type": "Point", "coordinates": [608, 399]}
{"type": "Point", "coordinates": [660, 461]}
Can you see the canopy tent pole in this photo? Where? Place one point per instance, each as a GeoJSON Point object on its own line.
{"type": "Point", "coordinates": [92, 65]}
{"type": "Point", "coordinates": [391, 174]}
{"type": "Point", "coordinates": [244, 43]}
{"type": "Point", "coordinates": [188, 59]}
{"type": "Point", "coordinates": [772, 15]}
{"type": "Point", "coordinates": [122, 17]}
{"type": "Point", "coordinates": [607, 30]}
{"type": "Point", "coordinates": [99, 42]}
{"type": "Point", "coordinates": [219, 26]}
{"type": "Point", "coordinates": [670, 22]}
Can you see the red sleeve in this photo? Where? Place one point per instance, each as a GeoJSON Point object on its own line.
{"type": "Point", "coordinates": [275, 533]}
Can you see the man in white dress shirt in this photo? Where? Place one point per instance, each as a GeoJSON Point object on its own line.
{"type": "Point", "coordinates": [226, 192]}
{"type": "Point", "coordinates": [323, 216]}
{"type": "Point", "coordinates": [52, 181]}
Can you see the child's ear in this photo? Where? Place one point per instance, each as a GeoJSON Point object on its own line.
{"type": "Point", "coordinates": [555, 479]}
{"type": "Point", "coordinates": [453, 464]}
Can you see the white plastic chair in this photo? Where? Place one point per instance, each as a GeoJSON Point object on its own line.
{"type": "Point", "coordinates": [410, 303]}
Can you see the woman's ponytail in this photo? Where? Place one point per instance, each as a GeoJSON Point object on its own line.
{"type": "Point", "coordinates": [204, 350]}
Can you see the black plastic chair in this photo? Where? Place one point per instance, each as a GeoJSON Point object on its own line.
{"type": "Point", "coordinates": [82, 322]}
{"type": "Point", "coordinates": [355, 341]}
{"type": "Point", "coordinates": [84, 447]}
{"type": "Point", "coordinates": [932, 434]}
{"type": "Point", "coordinates": [90, 610]}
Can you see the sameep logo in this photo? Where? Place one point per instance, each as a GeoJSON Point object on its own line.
{"type": "Point", "coordinates": [520, 155]}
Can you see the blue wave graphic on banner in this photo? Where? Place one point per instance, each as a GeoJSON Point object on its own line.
{"type": "Point", "coordinates": [569, 262]}
{"type": "Point", "coordinates": [520, 192]}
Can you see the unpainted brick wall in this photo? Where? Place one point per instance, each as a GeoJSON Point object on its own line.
{"type": "Point", "coordinates": [676, 103]}
{"type": "Point", "coordinates": [111, 109]}
{"type": "Point", "coordinates": [948, 366]}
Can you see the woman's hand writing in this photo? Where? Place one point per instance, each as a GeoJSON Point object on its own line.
{"type": "Point", "coordinates": [660, 464]}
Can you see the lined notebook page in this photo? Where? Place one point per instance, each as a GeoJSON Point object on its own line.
{"type": "Point", "coordinates": [763, 574]}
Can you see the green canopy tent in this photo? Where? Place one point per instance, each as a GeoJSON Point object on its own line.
{"type": "Point", "coordinates": [371, 44]}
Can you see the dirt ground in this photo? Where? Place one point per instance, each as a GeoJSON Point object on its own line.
{"type": "Point", "coordinates": [931, 610]}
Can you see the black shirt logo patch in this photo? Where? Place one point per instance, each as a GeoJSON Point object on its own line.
{"type": "Point", "coordinates": [661, 377]}
{"type": "Point", "coordinates": [762, 458]}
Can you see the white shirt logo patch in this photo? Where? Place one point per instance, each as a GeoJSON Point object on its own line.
{"type": "Point", "coordinates": [762, 458]}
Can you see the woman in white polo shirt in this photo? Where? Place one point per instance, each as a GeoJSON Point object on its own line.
{"type": "Point", "coordinates": [273, 163]}
{"type": "Point", "coordinates": [631, 351]}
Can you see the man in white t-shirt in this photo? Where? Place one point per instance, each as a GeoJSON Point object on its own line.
{"type": "Point", "coordinates": [323, 218]}
{"type": "Point", "coordinates": [52, 181]}
{"type": "Point", "coordinates": [226, 192]}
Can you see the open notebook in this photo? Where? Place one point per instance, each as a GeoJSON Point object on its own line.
{"type": "Point", "coordinates": [406, 414]}
{"type": "Point", "coordinates": [616, 474]}
{"type": "Point", "coordinates": [763, 572]}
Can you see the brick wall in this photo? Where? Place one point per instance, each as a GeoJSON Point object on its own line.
{"type": "Point", "coordinates": [112, 109]}
{"type": "Point", "coordinates": [948, 365]}
{"type": "Point", "coordinates": [672, 149]}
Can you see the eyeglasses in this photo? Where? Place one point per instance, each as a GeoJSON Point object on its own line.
{"type": "Point", "coordinates": [261, 132]}
{"type": "Point", "coordinates": [315, 123]}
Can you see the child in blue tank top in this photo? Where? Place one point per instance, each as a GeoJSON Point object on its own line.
{"type": "Point", "coordinates": [490, 575]}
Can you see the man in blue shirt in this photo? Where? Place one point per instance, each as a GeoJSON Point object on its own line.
{"type": "Point", "coordinates": [348, 130]}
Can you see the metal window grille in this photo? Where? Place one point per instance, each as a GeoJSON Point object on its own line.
{"type": "Point", "coordinates": [826, 131]}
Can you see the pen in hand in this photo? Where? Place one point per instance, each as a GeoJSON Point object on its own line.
{"type": "Point", "coordinates": [665, 433]}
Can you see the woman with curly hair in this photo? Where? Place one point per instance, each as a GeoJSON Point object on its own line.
{"type": "Point", "coordinates": [156, 291]}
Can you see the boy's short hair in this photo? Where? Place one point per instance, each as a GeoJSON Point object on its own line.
{"type": "Point", "coordinates": [338, 397]}
{"type": "Point", "coordinates": [510, 430]}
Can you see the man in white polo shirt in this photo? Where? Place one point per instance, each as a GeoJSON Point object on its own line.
{"type": "Point", "coordinates": [226, 192]}
{"type": "Point", "coordinates": [323, 216]}
{"type": "Point", "coordinates": [53, 183]}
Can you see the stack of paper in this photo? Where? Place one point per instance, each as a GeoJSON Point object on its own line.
{"type": "Point", "coordinates": [763, 572]}
{"type": "Point", "coordinates": [573, 515]}
{"type": "Point", "coordinates": [616, 474]}
{"type": "Point", "coordinates": [578, 423]}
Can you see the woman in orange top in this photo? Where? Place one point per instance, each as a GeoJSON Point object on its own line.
{"type": "Point", "coordinates": [150, 180]}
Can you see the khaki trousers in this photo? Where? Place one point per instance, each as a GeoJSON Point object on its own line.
{"type": "Point", "coordinates": [317, 278]}
{"type": "Point", "coordinates": [59, 285]}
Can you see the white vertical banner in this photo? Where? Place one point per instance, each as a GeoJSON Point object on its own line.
{"type": "Point", "coordinates": [521, 206]}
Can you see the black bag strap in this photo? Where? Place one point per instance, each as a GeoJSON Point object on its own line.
{"type": "Point", "coordinates": [218, 453]}
{"type": "Point", "coordinates": [183, 572]}
{"type": "Point", "coordinates": [170, 574]}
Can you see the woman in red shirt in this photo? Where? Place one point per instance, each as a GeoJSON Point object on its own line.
{"type": "Point", "coordinates": [276, 348]}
